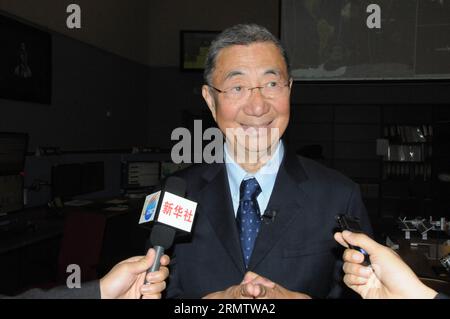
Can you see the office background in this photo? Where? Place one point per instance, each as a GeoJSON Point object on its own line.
{"type": "Point", "coordinates": [117, 92]}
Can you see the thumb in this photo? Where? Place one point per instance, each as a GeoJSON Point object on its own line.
{"type": "Point", "coordinates": [361, 240]}
{"type": "Point", "coordinates": [144, 263]}
{"type": "Point", "coordinates": [249, 276]}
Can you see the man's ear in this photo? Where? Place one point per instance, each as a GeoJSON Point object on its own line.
{"type": "Point", "coordinates": [209, 99]}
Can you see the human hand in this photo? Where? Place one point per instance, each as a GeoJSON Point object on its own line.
{"type": "Point", "coordinates": [387, 277]}
{"type": "Point", "coordinates": [126, 279]}
{"type": "Point", "coordinates": [259, 287]}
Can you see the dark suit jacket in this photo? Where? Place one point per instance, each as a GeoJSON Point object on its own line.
{"type": "Point", "coordinates": [296, 250]}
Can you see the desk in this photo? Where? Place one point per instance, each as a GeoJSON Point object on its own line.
{"type": "Point", "coordinates": [44, 223]}
{"type": "Point", "coordinates": [416, 258]}
{"type": "Point", "coordinates": [41, 231]}
{"type": "Point", "coordinates": [30, 256]}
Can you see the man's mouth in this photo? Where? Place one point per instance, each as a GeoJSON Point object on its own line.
{"type": "Point", "coordinates": [258, 127]}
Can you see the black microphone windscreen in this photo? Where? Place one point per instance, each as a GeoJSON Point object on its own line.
{"type": "Point", "coordinates": [175, 185]}
{"type": "Point", "coordinates": [162, 235]}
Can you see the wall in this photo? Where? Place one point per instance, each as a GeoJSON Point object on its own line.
{"type": "Point", "coordinates": [87, 82]}
{"type": "Point", "coordinates": [133, 29]}
{"type": "Point", "coordinates": [171, 16]}
{"type": "Point", "coordinates": [176, 93]}
{"type": "Point", "coordinates": [346, 118]}
{"type": "Point", "coordinates": [119, 27]}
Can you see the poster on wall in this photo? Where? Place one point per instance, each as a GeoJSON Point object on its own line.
{"type": "Point", "coordinates": [25, 62]}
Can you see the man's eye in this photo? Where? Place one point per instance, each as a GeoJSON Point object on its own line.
{"type": "Point", "coordinates": [236, 89]}
{"type": "Point", "coordinates": [272, 84]}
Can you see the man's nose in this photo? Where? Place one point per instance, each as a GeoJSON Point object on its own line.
{"type": "Point", "coordinates": [256, 104]}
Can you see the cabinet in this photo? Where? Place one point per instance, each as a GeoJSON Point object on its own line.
{"type": "Point", "coordinates": [344, 137]}
{"type": "Point", "coordinates": [414, 168]}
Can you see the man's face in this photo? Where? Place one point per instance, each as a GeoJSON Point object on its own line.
{"type": "Point", "coordinates": [256, 116]}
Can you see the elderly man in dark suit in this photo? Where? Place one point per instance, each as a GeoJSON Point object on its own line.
{"type": "Point", "coordinates": [266, 217]}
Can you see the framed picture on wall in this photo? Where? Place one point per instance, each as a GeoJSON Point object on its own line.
{"type": "Point", "coordinates": [194, 48]}
{"type": "Point", "coordinates": [25, 62]}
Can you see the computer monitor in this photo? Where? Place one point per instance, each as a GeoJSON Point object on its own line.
{"type": "Point", "coordinates": [92, 177]}
{"type": "Point", "coordinates": [69, 180]}
{"type": "Point", "coordinates": [13, 148]}
{"type": "Point", "coordinates": [66, 180]}
{"type": "Point", "coordinates": [11, 193]}
{"type": "Point", "coordinates": [140, 174]}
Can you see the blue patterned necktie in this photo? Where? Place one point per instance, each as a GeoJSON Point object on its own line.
{"type": "Point", "coordinates": [248, 216]}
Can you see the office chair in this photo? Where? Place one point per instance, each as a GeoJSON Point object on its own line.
{"type": "Point", "coordinates": [81, 244]}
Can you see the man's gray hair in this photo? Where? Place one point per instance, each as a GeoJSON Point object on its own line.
{"type": "Point", "coordinates": [240, 34]}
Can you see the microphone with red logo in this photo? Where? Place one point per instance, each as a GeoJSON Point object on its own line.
{"type": "Point", "coordinates": [170, 212]}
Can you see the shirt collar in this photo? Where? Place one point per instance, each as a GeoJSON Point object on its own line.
{"type": "Point", "coordinates": [265, 176]}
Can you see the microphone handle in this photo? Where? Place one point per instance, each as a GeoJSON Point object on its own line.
{"type": "Point", "coordinates": [156, 264]}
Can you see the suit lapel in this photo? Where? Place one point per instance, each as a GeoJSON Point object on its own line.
{"type": "Point", "coordinates": [287, 199]}
{"type": "Point", "coordinates": [217, 206]}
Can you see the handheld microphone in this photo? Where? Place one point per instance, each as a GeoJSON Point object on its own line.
{"type": "Point", "coordinates": [352, 224]}
{"type": "Point", "coordinates": [169, 211]}
{"type": "Point", "coordinates": [162, 236]}
{"type": "Point", "coordinates": [162, 239]}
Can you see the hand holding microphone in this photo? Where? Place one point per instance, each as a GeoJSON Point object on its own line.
{"type": "Point", "coordinates": [170, 212]}
{"type": "Point", "coordinates": [125, 280]}
{"type": "Point", "coordinates": [387, 277]}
